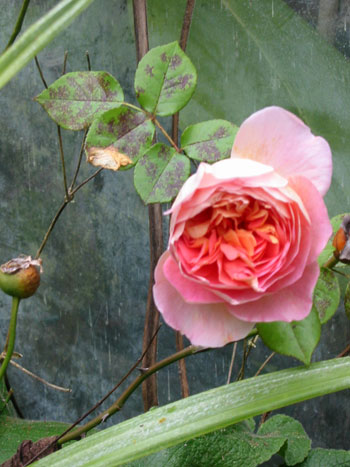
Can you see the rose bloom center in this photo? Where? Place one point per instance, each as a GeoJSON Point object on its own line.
{"type": "Point", "coordinates": [234, 243]}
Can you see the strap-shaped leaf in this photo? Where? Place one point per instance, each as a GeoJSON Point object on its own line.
{"type": "Point", "coordinates": [123, 132]}
{"type": "Point", "coordinates": [209, 141]}
{"type": "Point", "coordinates": [165, 80]}
{"type": "Point", "coordinates": [38, 36]}
{"type": "Point", "coordinates": [75, 98]}
{"type": "Point", "coordinates": [160, 174]}
{"type": "Point", "coordinates": [297, 339]}
{"type": "Point", "coordinates": [326, 295]}
{"type": "Point", "coordinates": [203, 413]}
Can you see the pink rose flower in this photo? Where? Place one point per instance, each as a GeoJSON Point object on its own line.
{"type": "Point", "coordinates": [246, 232]}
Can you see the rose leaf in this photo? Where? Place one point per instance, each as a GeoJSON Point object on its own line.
{"type": "Point", "coordinates": [296, 339]}
{"type": "Point", "coordinates": [326, 295]}
{"type": "Point", "coordinates": [165, 80]}
{"type": "Point", "coordinates": [326, 457]}
{"type": "Point", "coordinates": [209, 141]}
{"type": "Point", "coordinates": [160, 174]}
{"type": "Point", "coordinates": [74, 99]}
{"type": "Point", "coordinates": [118, 138]}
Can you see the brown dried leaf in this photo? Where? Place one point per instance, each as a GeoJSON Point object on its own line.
{"type": "Point", "coordinates": [28, 450]}
{"type": "Point", "coordinates": [108, 158]}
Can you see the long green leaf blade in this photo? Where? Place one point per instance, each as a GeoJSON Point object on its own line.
{"type": "Point", "coordinates": [38, 36]}
{"type": "Point", "coordinates": [203, 413]}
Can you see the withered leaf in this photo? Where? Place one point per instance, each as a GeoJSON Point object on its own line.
{"type": "Point", "coordinates": [108, 158]}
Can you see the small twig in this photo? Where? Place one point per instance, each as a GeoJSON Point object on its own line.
{"type": "Point", "coordinates": [231, 363]}
{"type": "Point", "coordinates": [65, 62]}
{"type": "Point", "coordinates": [265, 363]}
{"type": "Point", "coordinates": [10, 344]}
{"type": "Point", "coordinates": [88, 60]}
{"type": "Point", "coordinates": [86, 181]}
{"type": "Point", "coordinates": [344, 352]}
{"type": "Point", "coordinates": [79, 162]}
{"type": "Point", "coordinates": [19, 23]}
{"type": "Point", "coordinates": [185, 390]}
{"type": "Point", "coordinates": [40, 72]}
{"type": "Point", "coordinates": [29, 373]}
{"type": "Point", "coordinates": [100, 402]}
{"type": "Point", "coordinates": [6, 401]}
{"type": "Point", "coordinates": [60, 144]}
{"type": "Point", "coordinates": [51, 226]}
{"type": "Point", "coordinates": [171, 141]}
{"type": "Point", "coordinates": [247, 347]}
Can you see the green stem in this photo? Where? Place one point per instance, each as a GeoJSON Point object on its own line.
{"type": "Point", "coordinates": [18, 25]}
{"type": "Point", "coordinates": [331, 262]}
{"type": "Point", "coordinates": [12, 336]}
{"type": "Point", "coordinates": [118, 404]}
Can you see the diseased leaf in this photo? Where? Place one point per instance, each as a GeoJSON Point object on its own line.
{"type": "Point", "coordinates": [347, 300]}
{"type": "Point", "coordinates": [74, 100]}
{"type": "Point", "coordinates": [328, 251]}
{"type": "Point", "coordinates": [160, 174]}
{"type": "Point", "coordinates": [296, 339]}
{"type": "Point", "coordinates": [326, 458]}
{"type": "Point", "coordinates": [296, 443]}
{"type": "Point", "coordinates": [326, 295]}
{"type": "Point", "coordinates": [209, 141]}
{"type": "Point", "coordinates": [117, 136]}
{"type": "Point", "coordinates": [165, 80]}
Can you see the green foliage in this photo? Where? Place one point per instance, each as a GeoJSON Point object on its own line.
{"type": "Point", "coordinates": [165, 80]}
{"type": "Point", "coordinates": [74, 99]}
{"type": "Point", "coordinates": [347, 300]}
{"type": "Point", "coordinates": [209, 141]}
{"type": "Point", "coordinates": [13, 431]}
{"type": "Point", "coordinates": [203, 413]}
{"type": "Point", "coordinates": [128, 131]}
{"type": "Point", "coordinates": [237, 446]}
{"type": "Point", "coordinates": [326, 458]}
{"type": "Point", "coordinates": [160, 174]}
{"type": "Point", "coordinates": [297, 339]}
{"type": "Point", "coordinates": [326, 295]}
{"type": "Point", "coordinates": [38, 36]}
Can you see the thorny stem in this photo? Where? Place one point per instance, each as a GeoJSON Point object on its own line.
{"type": "Point", "coordinates": [19, 22]}
{"type": "Point", "coordinates": [118, 404]}
{"type": "Point", "coordinates": [12, 336]}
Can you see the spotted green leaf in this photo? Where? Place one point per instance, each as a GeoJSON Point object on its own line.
{"type": "Point", "coordinates": [160, 174]}
{"type": "Point", "coordinates": [297, 339]}
{"type": "Point", "coordinates": [165, 80]}
{"type": "Point", "coordinates": [118, 133]}
{"type": "Point", "coordinates": [326, 295]}
{"type": "Point", "coordinates": [74, 99]}
{"type": "Point", "coordinates": [209, 141]}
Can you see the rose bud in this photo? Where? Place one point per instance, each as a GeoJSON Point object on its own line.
{"type": "Point", "coordinates": [341, 241]}
{"type": "Point", "coordinates": [20, 276]}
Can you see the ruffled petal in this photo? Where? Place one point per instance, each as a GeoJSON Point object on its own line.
{"type": "Point", "coordinates": [276, 137]}
{"type": "Point", "coordinates": [206, 325]}
{"type": "Point", "coordinates": [290, 304]}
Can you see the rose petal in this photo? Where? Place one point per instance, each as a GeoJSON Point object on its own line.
{"type": "Point", "coordinates": [292, 303]}
{"type": "Point", "coordinates": [206, 325]}
{"type": "Point", "coordinates": [276, 137]}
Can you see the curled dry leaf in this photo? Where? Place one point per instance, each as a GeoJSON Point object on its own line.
{"type": "Point", "coordinates": [22, 262]}
{"type": "Point", "coordinates": [108, 158]}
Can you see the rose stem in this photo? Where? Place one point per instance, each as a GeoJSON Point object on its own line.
{"type": "Point", "coordinates": [149, 388]}
{"type": "Point", "coordinates": [118, 404]}
{"type": "Point", "coordinates": [19, 22]}
{"type": "Point", "coordinates": [185, 391]}
{"type": "Point", "coordinates": [69, 193]}
{"type": "Point", "coordinates": [11, 336]}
